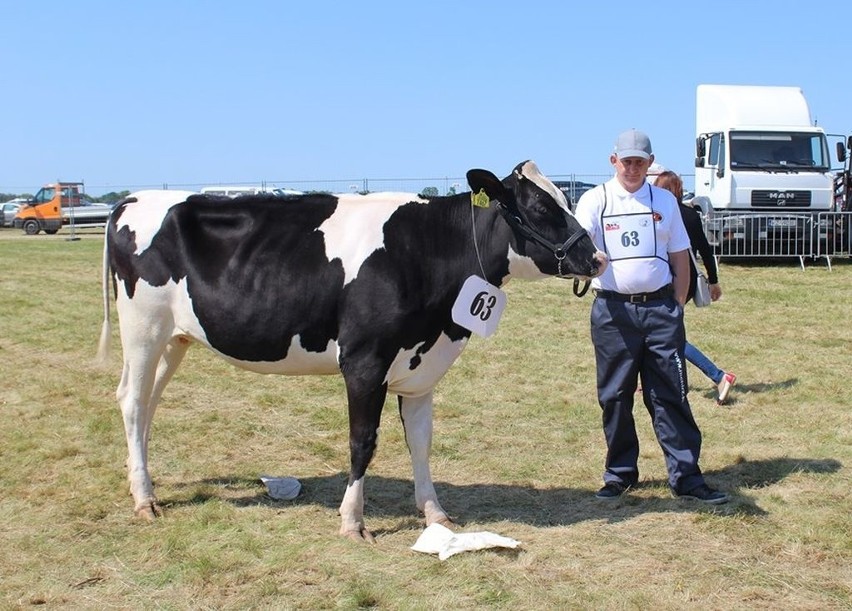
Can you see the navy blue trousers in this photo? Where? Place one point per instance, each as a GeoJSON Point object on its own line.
{"type": "Point", "coordinates": [645, 340]}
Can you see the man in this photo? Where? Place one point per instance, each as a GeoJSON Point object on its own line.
{"type": "Point", "coordinates": [637, 322]}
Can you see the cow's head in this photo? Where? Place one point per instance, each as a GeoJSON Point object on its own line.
{"type": "Point", "coordinates": [548, 239]}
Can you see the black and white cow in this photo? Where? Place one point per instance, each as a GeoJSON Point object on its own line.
{"type": "Point", "coordinates": [361, 285]}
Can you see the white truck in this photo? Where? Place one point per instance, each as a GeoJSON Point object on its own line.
{"type": "Point", "coordinates": [762, 167]}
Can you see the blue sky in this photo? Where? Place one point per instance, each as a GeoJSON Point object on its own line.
{"type": "Point", "coordinates": [124, 94]}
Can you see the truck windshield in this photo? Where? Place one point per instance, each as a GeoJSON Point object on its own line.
{"type": "Point", "coordinates": [44, 195]}
{"type": "Point", "coordinates": [779, 151]}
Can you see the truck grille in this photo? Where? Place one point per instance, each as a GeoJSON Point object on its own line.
{"type": "Point", "coordinates": [781, 199]}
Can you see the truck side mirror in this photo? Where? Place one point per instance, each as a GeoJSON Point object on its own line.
{"type": "Point", "coordinates": [841, 152]}
{"type": "Point", "coordinates": [699, 162]}
{"type": "Point", "coordinates": [700, 147]}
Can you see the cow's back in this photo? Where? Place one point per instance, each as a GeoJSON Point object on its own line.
{"type": "Point", "coordinates": [254, 269]}
{"type": "Point", "coordinates": [261, 280]}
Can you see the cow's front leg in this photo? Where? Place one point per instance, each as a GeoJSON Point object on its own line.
{"type": "Point", "coordinates": [352, 512]}
{"type": "Point", "coordinates": [416, 415]}
{"type": "Point", "coordinates": [365, 413]}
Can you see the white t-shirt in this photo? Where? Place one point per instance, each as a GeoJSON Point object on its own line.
{"type": "Point", "coordinates": [637, 231]}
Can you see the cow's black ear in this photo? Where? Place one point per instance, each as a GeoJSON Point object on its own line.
{"type": "Point", "coordinates": [485, 180]}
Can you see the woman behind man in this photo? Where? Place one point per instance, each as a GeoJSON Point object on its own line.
{"type": "Point", "coordinates": [692, 221]}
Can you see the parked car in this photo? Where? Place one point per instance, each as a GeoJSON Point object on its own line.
{"type": "Point", "coordinates": [9, 209]}
{"type": "Point", "coordinates": [573, 189]}
{"type": "Point", "coordinates": [243, 190]}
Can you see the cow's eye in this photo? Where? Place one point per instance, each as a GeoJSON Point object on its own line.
{"type": "Point", "coordinates": [538, 204]}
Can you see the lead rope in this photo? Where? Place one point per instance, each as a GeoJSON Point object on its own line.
{"type": "Point", "coordinates": [578, 292]}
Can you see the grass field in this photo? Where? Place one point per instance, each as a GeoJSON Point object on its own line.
{"type": "Point", "coordinates": [518, 451]}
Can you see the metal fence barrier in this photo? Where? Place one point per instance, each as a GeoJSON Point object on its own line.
{"type": "Point", "coordinates": [800, 236]}
{"type": "Point", "coordinates": [837, 240]}
{"type": "Point", "coordinates": [442, 185]}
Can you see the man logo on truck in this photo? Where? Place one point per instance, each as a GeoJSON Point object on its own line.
{"type": "Point", "coordinates": [782, 196]}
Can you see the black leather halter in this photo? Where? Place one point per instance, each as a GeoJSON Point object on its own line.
{"type": "Point", "coordinates": [527, 230]}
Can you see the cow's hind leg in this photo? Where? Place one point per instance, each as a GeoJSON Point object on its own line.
{"type": "Point", "coordinates": [416, 415]}
{"type": "Point", "coordinates": [365, 412]}
{"type": "Point", "coordinates": [149, 363]}
{"type": "Point", "coordinates": [172, 357]}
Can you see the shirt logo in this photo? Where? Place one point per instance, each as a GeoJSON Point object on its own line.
{"type": "Point", "coordinates": [612, 227]}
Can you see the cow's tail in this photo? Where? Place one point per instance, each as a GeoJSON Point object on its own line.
{"type": "Point", "coordinates": [106, 328]}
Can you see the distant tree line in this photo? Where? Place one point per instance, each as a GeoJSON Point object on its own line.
{"type": "Point", "coordinates": [5, 197]}
{"type": "Point", "coordinates": [110, 198]}
{"type": "Point", "coordinates": [433, 191]}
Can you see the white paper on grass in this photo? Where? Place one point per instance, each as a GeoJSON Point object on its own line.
{"type": "Point", "coordinates": [282, 488]}
{"type": "Point", "coordinates": [438, 539]}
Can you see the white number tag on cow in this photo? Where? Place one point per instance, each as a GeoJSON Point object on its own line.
{"type": "Point", "coordinates": [479, 306]}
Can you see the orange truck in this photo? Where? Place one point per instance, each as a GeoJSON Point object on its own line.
{"type": "Point", "coordinates": [58, 205]}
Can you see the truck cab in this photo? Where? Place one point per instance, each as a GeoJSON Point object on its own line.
{"type": "Point", "coordinates": [758, 152]}
{"type": "Point", "coordinates": [58, 204]}
{"type": "Point", "coordinates": [756, 169]}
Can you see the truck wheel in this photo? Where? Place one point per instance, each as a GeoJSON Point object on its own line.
{"type": "Point", "coordinates": [51, 231]}
{"type": "Point", "coordinates": [31, 227]}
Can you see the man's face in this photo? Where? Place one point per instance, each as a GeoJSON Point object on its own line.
{"type": "Point", "coordinates": [631, 171]}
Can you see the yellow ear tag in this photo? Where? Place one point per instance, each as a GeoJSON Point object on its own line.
{"type": "Point", "coordinates": [480, 199]}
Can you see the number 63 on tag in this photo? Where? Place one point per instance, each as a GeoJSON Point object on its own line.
{"type": "Point", "coordinates": [479, 306]}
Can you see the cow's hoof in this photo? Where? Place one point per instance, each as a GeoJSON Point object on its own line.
{"type": "Point", "coordinates": [149, 511]}
{"type": "Point", "coordinates": [445, 521]}
{"type": "Point", "coordinates": [360, 535]}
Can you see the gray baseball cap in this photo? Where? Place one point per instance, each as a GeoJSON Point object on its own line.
{"type": "Point", "coordinates": [633, 143]}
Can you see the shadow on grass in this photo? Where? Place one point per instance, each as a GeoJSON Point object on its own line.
{"type": "Point", "coordinates": [789, 262]}
{"type": "Point", "coordinates": [740, 388]}
{"type": "Point", "coordinates": [541, 507]}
